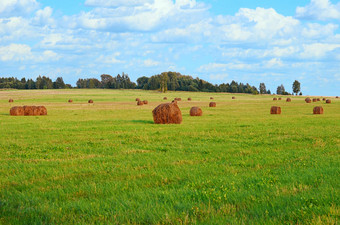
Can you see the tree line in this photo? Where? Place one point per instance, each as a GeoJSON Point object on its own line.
{"type": "Point", "coordinates": [172, 81]}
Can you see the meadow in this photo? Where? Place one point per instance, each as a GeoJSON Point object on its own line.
{"type": "Point", "coordinates": [108, 163]}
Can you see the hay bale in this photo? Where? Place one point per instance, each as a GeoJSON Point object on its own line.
{"type": "Point", "coordinates": [211, 98]}
{"type": "Point", "coordinates": [28, 110]}
{"type": "Point", "coordinates": [16, 111]}
{"type": "Point", "coordinates": [165, 98]}
{"type": "Point", "coordinates": [288, 100]}
{"type": "Point", "coordinates": [337, 97]}
{"type": "Point", "coordinates": [196, 111]}
{"type": "Point", "coordinates": [212, 104]}
{"type": "Point", "coordinates": [10, 100]}
{"type": "Point", "coordinates": [189, 99]}
{"type": "Point", "coordinates": [145, 102]}
{"type": "Point", "coordinates": [314, 100]}
{"type": "Point", "coordinates": [280, 99]}
{"type": "Point", "coordinates": [233, 97]}
{"type": "Point", "coordinates": [275, 110]}
{"type": "Point", "coordinates": [137, 99]}
{"type": "Point", "coordinates": [328, 101]}
{"type": "Point", "coordinates": [167, 113]}
{"type": "Point", "coordinates": [42, 111]}
{"type": "Point", "coordinates": [308, 100]}
{"type": "Point", "coordinates": [323, 99]}
{"type": "Point", "coordinates": [70, 100]}
{"type": "Point", "coordinates": [318, 99]}
{"type": "Point", "coordinates": [318, 110]}
{"type": "Point", "coordinates": [140, 103]}
{"type": "Point", "coordinates": [274, 99]}
{"type": "Point", "coordinates": [90, 101]}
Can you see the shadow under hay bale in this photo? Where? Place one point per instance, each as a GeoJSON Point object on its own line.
{"type": "Point", "coordinates": [17, 111]}
{"type": "Point", "coordinates": [90, 101]}
{"type": "Point", "coordinates": [275, 110]}
{"type": "Point", "coordinates": [140, 103]}
{"type": "Point", "coordinates": [145, 102]}
{"type": "Point", "coordinates": [196, 111]}
{"type": "Point", "coordinates": [212, 104]}
{"type": "Point", "coordinates": [167, 113]}
{"type": "Point", "coordinates": [318, 110]}
{"type": "Point", "coordinates": [288, 100]}
{"type": "Point", "coordinates": [328, 101]}
{"type": "Point", "coordinates": [10, 100]}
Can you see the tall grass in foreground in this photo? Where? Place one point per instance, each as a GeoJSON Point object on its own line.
{"type": "Point", "coordinates": [108, 163]}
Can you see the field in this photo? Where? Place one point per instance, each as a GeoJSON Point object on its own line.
{"type": "Point", "coordinates": [108, 163]}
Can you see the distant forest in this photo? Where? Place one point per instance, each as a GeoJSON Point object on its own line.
{"type": "Point", "coordinates": [172, 81]}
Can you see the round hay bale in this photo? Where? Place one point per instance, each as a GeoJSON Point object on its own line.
{"type": "Point", "coordinates": [90, 101]}
{"type": "Point", "coordinates": [288, 100]}
{"type": "Point", "coordinates": [328, 101]}
{"type": "Point", "coordinates": [28, 110]}
{"type": "Point", "coordinates": [145, 102]}
{"type": "Point", "coordinates": [314, 100]}
{"type": "Point", "coordinates": [212, 104]}
{"type": "Point", "coordinates": [274, 99]}
{"type": "Point", "coordinates": [10, 100]}
{"type": "Point", "coordinates": [140, 103]}
{"type": "Point", "coordinates": [17, 111]}
{"type": "Point", "coordinates": [308, 100]}
{"type": "Point", "coordinates": [179, 99]}
{"type": "Point", "coordinates": [337, 97]}
{"type": "Point", "coordinates": [137, 99]}
{"type": "Point", "coordinates": [196, 111]}
{"type": "Point", "coordinates": [275, 110]}
{"type": "Point", "coordinates": [323, 99]}
{"type": "Point", "coordinates": [233, 97]}
{"type": "Point", "coordinates": [211, 98]}
{"type": "Point", "coordinates": [280, 99]}
{"type": "Point", "coordinates": [167, 113]}
{"type": "Point", "coordinates": [318, 99]}
{"type": "Point", "coordinates": [165, 98]}
{"type": "Point", "coordinates": [70, 100]}
{"type": "Point", "coordinates": [318, 110]}
{"type": "Point", "coordinates": [42, 111]}
{"type": "Point", "coordinates": [189, 99]}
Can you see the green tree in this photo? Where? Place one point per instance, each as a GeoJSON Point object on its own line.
{"type": "Point", "coordinates": [262, 88]}
{"type": "Point", "coordinates": [296, 87]}
{"type": "Point", "coordinates": [280, 90]}
{"type": "Point", "coordinates": [164, 82]}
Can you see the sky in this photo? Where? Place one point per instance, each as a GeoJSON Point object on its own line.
{"type": "Point", "coordinates": [269, 41]}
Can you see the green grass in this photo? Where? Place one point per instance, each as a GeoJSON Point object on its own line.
{"type": "Point", "coordinates": [108, 163]}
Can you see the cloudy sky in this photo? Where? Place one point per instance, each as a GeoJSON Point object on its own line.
{"type": "Point", "coordinates": [270, 41]}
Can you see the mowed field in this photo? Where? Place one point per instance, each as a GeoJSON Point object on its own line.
{"type": "Point", "coordinates": [108, 163]}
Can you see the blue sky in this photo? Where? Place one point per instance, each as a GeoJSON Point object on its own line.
{"type": "Point", "coordinates": [268, 41]}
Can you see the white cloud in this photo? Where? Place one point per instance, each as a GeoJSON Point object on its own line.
{"type": "Point", "coordinates": [219, 76]}
{"type": "Point", "coordinates": [150, 63]}
{"type": "Point", "coordinates": [275, 62]}
{"type": "Point", "coordinates": [318, 50]}
{"type": "Point", "coordinates": [319, 10]}
{"type": "Point", "coordinates": [110, 59]}
{"type": "Point", "coordinates": [9, 8]}
{"type": "Point", "coordinates": [15, 52]}
{"type": "Point", "coordinates": [116, 3]}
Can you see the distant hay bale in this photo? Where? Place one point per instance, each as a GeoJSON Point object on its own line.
{"type": "Point", "coordinates": [42, 111]}
{"type": "Point", "coordinates": [145, 102]}
{"type": "Point", "coordinates": [318, 99]}
{"type": "Point", "coordinates": [323, 99]}
{"type": "Point", "coordinates": [90, 101]}
{"type": "Point", "coordinates": [315, 100]}
{"type": "Point", "coordinates": [308, 100]}
{"type": "Point", "coordinates": [167, 113]}
{"type": "Point", "coordinates": [165, 98]}
{"type": "Point", "coordinates": [178, 99]}
{"type": "Point", "coordinates": [189, 99]}
{"type": "Point", "coordinates": [274, 99]}
{"type": "Point", "coordinates": [212, 104]}
{"type": "Point", "coordinates": [140, 103]}
{"type": "Point", "coordinates": [10, 100]}
{"type": "Point", "coordinates": [337, 97]}
{"type": "Point", "coordinates": [17, 111]}
{"type": "Point", "coordinates": [70, 100]}
{"type": "Point", "coordinates": [211, 98]}
{"type": "Point", "coordinates": [328, 101]}
{"type": "Point", "coordinates": [288, 100]}
{"type": "Point", "coordinates": [275, 110]}
{"type": "Point", "coordinates": [318, 110]}
{"type": "Point", "coordinates": [280, 99]}
{"type": "Point", "coordinates": [137, 99]}
{"type": "Point", "coordinates": [196, 111]}
{"type": "Point", "coordinates": [233, 97]}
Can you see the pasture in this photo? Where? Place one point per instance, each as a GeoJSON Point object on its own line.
{"type": "Point", "coordinates": [108, 163]}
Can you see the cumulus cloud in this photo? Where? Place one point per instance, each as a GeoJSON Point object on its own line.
{"type": "Point", "coordinates": [10, 8]}
{"type": "Point", "coordinates": [319, 10]}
